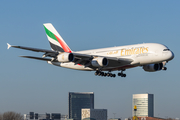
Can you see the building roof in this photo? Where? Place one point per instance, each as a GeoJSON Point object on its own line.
{"type": "Point", "coordinates": [82, 92]}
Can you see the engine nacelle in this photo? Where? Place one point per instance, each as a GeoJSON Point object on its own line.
{"type": "Point", "coordinates": [99, 62]}
{"type": "Point", "coordinates": [65, 57]}
{"type": "Point", "coordinates": [153, 67]}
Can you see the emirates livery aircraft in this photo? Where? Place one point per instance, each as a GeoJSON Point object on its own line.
{"type": "Point", "coordinates": [151, 56]}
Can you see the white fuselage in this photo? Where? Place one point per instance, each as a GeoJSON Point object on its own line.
{"type": "Point", "coordinates": [141, 54]}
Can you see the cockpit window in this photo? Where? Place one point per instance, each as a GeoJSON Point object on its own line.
{"type": "Point", "coordinates": [166, 50]}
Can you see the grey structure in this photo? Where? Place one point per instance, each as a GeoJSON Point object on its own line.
{"type": "Point", "coordinates": [46, 116]}
{"type": "Point", "coordinates": [77, 101]}
{"type": "Point", "coordinates": [144, 104]}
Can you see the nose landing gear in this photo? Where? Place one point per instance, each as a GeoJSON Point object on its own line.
{"type": "Point", "coordinates": [164, 68]}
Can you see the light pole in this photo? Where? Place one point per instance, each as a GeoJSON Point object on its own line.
{"type": "Point", "coordinates": [135, 117]}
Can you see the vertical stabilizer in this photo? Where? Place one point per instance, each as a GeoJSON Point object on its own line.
{"type": "Point", "coordinates": [56, 41]}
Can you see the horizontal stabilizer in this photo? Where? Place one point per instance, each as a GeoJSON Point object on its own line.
{"type": "Point", "coordinates": [33, 49]}
{"type": "Point", "coordinates": [49, 53]}
{"type": "Point", "coordinates": [37, 58]}
{"type": "Point", "coordinates": [8, 45]}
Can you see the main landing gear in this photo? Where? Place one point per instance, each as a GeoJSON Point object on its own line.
{"type": "Point", "coordinates": [122, 74]}
{"type": "Point", "coordinates": [100, 73]}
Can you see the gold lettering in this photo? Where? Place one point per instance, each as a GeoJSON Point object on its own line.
{"type": "Point", "coordinates": [141, 49]}
{"type": "Point", "coordinates": [112, 52]}
{"type": "Point", "coordinates": [137, 52]}
{"type": "Point", "coordinates": [122, 52]}
{"type": "Point", "coordinates": [145, 50]}
{"type": "Point", "coordinates": [63, 57]}
{"type": "Point", "coordinates": [128, 52]}
{"type": "Point", "coordinates": [133, 51]}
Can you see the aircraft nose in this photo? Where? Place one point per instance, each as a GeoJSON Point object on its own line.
{"type": "Point", "coordinates": [171, 55]}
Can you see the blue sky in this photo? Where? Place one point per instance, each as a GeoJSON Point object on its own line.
{"type": "Point", "coordinates": [31, 85]}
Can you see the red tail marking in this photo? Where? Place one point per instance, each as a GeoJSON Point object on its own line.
{"type": "Point", "coordinates": [64, 46]}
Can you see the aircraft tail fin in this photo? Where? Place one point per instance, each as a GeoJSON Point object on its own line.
{"type": "Point", "coordinates": [56, 41]}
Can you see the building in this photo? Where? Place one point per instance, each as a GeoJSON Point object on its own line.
{"type": "Point", "coordinates": [94, 114]}
{"type": "Point", "coordinates": [78, 101]}
{"type": "Point", "coordinates": [46, 116]}
{"type": "Point", "coordinates": [150, 118]}
{"type": "Point", "coordinates": [115, 119]}
{"type": "Point", "coordinates": [144, 104]}
{"type": "Point", "coordinates": [128, 119]}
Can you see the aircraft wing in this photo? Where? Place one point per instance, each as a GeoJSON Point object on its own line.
{"type": "Point", "coordinates": [85, 56]}
{"type": "Point", "coordinates": [37, 58]}
{"type": "Point", "coordinates": [85, 59]}
{"type": "Point", "coordinates": [49, 53]}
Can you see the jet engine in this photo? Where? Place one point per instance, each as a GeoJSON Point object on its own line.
{"type": "Point", "coordinates": [65, 57]}
{"type": "Point", "coordinates": [153, 67]}
{"type": "Point", "coordinates": [99, 62]}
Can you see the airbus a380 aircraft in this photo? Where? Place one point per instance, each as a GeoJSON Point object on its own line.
{"type": "Point", "coordinates": [151, 56]}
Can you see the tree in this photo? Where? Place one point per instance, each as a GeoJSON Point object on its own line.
{"type": "Point", "coordinates": [1, 116]}
{"type": "Point", "coordinates": [11, 116]}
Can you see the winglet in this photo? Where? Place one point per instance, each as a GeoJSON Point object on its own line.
{"type": "Point", "coordinates": [8, 45]}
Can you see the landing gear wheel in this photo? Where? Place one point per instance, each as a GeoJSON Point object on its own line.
{"type": "Point", "coordinates": [165, 68]}
{"type": "Point", "coordinates": [102, 73]}
{"type": "Point", "coordinates": [119, 74]}
{"type": "Point", "coordinates": [122, 74]}
{"type": "Point", "coordinates": [114, 75]}
{"type": "Point", "coordinates": [111, 75]}
{"type": "Point", "coordinates": [96, 73]}
{"type": "Point", "coordinates": [105, 74]}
